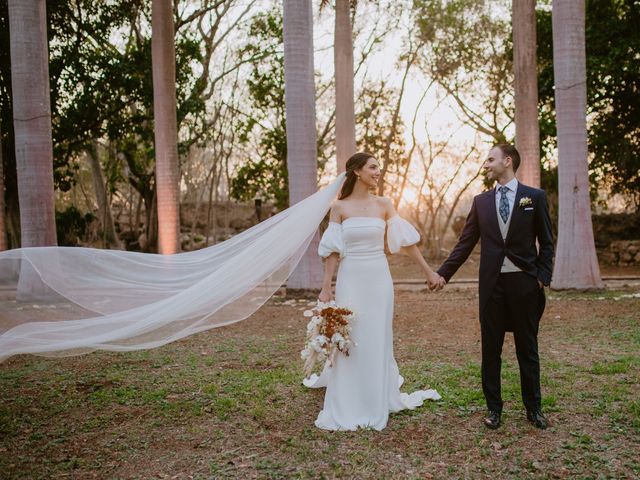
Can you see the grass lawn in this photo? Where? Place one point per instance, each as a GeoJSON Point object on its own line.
{"type": "Point", "coordinates": [229, 403]}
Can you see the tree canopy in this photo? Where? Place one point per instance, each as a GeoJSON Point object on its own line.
{"type": "Point", "coordinates": [613, 100]}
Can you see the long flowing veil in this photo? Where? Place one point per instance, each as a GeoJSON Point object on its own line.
{"type": "Point", "coordinates": [120, 301]}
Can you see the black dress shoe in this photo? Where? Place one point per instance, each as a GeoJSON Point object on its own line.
{"type": "Point", "coordinates": [492, 421]}
{"type": "Point", "coordinates": [537, 419]}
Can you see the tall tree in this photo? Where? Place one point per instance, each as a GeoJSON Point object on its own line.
{"type": "Point", "coordinates": [32, 121]}
{"type": "Point", "coordinates": [302, 164]}
{"type": "Point", "coordinates": [3, 229]}
{"type": "Point", "coordinates": [166, 130]}
{"type": "Point", "coordinates": [576, 264]}
{"type": "Point", "coordinates": [343, 61]}
{"type": "Point", "coordinates": [526, 90]}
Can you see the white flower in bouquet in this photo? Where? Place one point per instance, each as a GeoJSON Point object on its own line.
{"type": "Point", "coordinates": [328, 332]}
{"type": "Point", "coordinates": [305, 353]}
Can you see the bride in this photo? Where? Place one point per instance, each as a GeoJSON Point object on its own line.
{"type": "Point", "coordinates": [363, 388]}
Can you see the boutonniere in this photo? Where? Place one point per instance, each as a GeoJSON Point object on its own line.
{"type": "Point", "coordinates": [525, 202]}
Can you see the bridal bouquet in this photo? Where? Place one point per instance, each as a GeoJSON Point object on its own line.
{"type": "Point", "coordinates": [328, 332]}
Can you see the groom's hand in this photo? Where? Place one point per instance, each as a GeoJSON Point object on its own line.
{"type": "Point", "coordinates": [540, 284]}
{"type": "Point", "coordinates": [436, 282]}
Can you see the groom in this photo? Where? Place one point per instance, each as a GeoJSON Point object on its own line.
{"type": "Point", "coordinates": [508, 220]}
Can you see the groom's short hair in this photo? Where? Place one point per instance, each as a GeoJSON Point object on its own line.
{"type": "Point", "coordinates": [509, 150]}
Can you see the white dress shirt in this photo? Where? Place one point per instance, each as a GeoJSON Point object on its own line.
{"type": "Point", "coordinates": [511, 195]}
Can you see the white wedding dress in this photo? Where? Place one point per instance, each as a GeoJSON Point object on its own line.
{"type": "Point", "coordinates": [363, 388]}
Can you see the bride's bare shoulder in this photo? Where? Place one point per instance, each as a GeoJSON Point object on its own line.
{"type": "Point", "coordinates": [385, 201]}
{"type": "Point", "coordinates": [337, 204]}
{"type": "Point", "coordinates": [337, 207]}
{"type": "Point", "coordinates": [387, 206]}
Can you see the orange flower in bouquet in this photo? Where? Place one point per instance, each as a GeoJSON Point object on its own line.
{"type": "Point", "coordinates": [328, 332]}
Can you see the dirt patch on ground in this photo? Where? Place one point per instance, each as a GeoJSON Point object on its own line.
{"type": "Point", "coordinates": [228, 403]}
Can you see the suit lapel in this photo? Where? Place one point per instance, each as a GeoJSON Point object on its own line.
{"type": "Point", "coordinates": [493, 213]}
{"type": "Point", "coordinates": [516, 213]}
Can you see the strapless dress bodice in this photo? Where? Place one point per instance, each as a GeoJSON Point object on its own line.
{"type": "Point", "coordinates": [363, 236]}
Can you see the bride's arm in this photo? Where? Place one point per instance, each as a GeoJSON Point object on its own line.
{"type": "Point", "coordinates": [414, 253]}
{"type": "Point", "coordinates": [433, 279]}
{"type": "Point", "coordinates": [330, 262]}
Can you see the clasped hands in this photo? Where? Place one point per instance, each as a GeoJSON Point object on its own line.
{"type": "Point", "coordinates": [435, 282]}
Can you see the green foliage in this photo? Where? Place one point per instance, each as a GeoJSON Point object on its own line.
{"type": "Point", "coordinates": [265, 174]}
{"type": "Point", "coordinates": [613, 83]}
{"type": "Point", "coordinates": [459, 32]}
{"type": "Point", "coordinates": [100, 70]}
{"type": "Point", "coordinates": [103, 87]}
{"type": "Point", "coordinates": [72, 225]}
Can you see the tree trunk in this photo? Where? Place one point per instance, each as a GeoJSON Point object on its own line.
{"type": "Point", "coordinates": [10, 179]}
{"type": "Point", "coordinates": [104, 208]}
{"type": "Point", "coordinates": [213, 184]}
{"type": "Point", "coordinates": [3, 228]}
{"type": "Point", "coordinates": [166, 133]}
{"type": "Point", "coordinates": [526, 90]}
{"type": "Point", "coordinates": [138, 227]}
{"type": "Point", "coordinates": [131, 219]}
{"type": "Point", "coordinates": [576, 264]}
{"type": "Point", "coordinates": [345, 109]}
{"type": "Point", "coordinates": [13, 217]}
{"type": "Point", "coordinates": [302, 165]}
{"type": "Point", "coordinates": [150, 234]}
{"type": "Point", "coordinates": [32, 121]}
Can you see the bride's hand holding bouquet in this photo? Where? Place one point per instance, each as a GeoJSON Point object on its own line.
{"type": "Point", "coordinates": [328, 332]}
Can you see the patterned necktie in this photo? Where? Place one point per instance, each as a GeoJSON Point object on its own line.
{"type": "Point", "coordinates": [504, 204]}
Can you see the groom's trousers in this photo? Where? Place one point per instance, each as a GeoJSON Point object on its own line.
{"type": "Point", "coordinates": [516, 304]}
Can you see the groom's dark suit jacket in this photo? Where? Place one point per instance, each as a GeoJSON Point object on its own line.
{"type": "Point", "coordinates": [528, 224]}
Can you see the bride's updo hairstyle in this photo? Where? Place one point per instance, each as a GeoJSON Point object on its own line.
{"type": "Point", "coordinates": [355, 162]}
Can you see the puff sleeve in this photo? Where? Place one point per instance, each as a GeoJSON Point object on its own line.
{"type": "Point", "coordinates": [331, 241]}
{"type": "Point", "coordinates": [400, 233]}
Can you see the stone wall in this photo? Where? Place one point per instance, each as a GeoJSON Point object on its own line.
{"type": "Point", "coordinates": [608, 228]}
{"type": "Point", "coordinates": [624, 253]}
{"type": "Point", "coordinates": [227, 219]}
